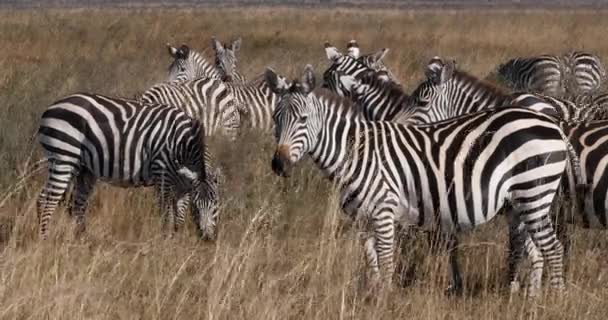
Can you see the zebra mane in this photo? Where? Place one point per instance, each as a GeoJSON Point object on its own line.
{"type": "Point", "coordinates": [334, 99]}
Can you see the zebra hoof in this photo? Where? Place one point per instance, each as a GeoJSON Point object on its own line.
{"type": "Point", "coordinates": [515, 287]}
{"type": "Point", "coordinates": [453, 291]}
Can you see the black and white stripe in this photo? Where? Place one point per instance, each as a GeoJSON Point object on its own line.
{"type": "Point", "coordinates": [456, 174]}
{"type": "Point", "coordinates": [89, 137]}
{"type": "Point", "coordinates": [208, 100]}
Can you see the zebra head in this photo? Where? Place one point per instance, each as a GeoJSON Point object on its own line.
{"type": "Point", "coordinates": [349, 65]}
{"type": "Point", "coordinates": [207, 204]}
{"type": "Point", "coordinates": [225, 58]}
{"type": "Point", "coordinates": [297, 121]}
{"type": "Point", "coordinates": [432, 95]}
{"type": "Point", "coordinates": [188, 64]}
{"type": "Point", "coordinates": [192, 166]}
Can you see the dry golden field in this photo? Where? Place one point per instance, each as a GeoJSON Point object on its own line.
{"type": "Point", "coordinates": [284, 250]}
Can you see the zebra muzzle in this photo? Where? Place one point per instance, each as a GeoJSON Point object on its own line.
{"type": "Point", "coordinates": [281, 164]}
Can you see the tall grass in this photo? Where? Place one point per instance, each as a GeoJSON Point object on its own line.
{"type": "Point", "coordinates": [284, 248]}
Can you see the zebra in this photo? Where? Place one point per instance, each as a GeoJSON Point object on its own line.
{"type": "Point", "coordinates": [206, 99]}
{"type": "Point", "coordinates": [585, 73]}
{"type": "Point", "coordinates": [346, 64]}
{"type": "Point", "coordinates": [391, 173]}
{"type": "Point", "coordinates": [225, 60]}
{"type": "Point", "coordinates": [90, 137]}
{"type": "Point", "coordinates": [189, 64]}
{"type": "Point", "coordinates": [448, 93]}
{"type": "Point", "coordinates": [543, 74]}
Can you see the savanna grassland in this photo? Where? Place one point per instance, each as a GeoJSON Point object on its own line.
{"type": "Point", "coordinates": [284, 250]}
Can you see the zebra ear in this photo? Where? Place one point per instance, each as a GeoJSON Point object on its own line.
{"type": "Point", "coordinates": [353, 49]}
{"type": "Point", "coordinates": [378, 56]}
{"type": "Point", "coordinates": [236, 45]}
{"type": "Point", "coordinates": [188, 173]}
{"type": "Point", "coordinates": [172, 50]}
{"type": "Point", "coordinates": [434, 70]}
{"type": "Point", "coordinates": [276, 83]}
{"type": "Point", "coordinates": [308, 79]}
{"type": "Point", "coordinates": [448, 71]}
{"type": "Point", "coordinates": [217, 46]}
{"type": "Point", "coordinates": [332, 52]}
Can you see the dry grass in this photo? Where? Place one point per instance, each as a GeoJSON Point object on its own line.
{"type": "Point", "coordinates": [284, 250]}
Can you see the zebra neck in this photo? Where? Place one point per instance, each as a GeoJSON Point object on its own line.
{"type": "Point", "coordinates": [335, 137]}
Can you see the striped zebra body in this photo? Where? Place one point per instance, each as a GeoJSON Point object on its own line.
{"type": "Point", "coordinates": [585, 73]}
{"type": "Point", "coordinates": [348, 65]}
{"type": "Point", "coordinates": [92, 137]}
{"type": "Point", "coordinates": [455, 174]}
{"type": "Point", "coordinates": [189, 64]}
{"type": "Point", "coordinates": [590, 140]}
{"type": "Point", "coordinates": [542, 74]}
{"type": "Point", "coordinates": [208, 100]}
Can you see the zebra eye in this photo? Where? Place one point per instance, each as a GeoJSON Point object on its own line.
{"type": "Point", "coordinates": [303, 119]}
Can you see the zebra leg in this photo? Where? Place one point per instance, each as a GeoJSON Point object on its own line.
{"type": "Point", "coordinates": [85, 182]}
{"type": "Point", "coordinates": [166, 203]}
{"type": "Point", "coordinates": [542, 235]}
{"type": "Point", "coordinates": [516, 252]}
{"type": "Point", "coordinates": [181, 206]}
{"type": "Point", "coordinates": [383, 224]}
{"type": "Point", "coordinates": [369, 246]}
{"type": "Point", "coordinates": [455, 287]}
{"type": "Point", "coordinates": [58, 181]}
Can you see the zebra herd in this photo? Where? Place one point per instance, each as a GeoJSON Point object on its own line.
{"type": "Point", "coordinates": [451, 156]}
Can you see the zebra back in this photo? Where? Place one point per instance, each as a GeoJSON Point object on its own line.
{"type": "Point", "coordinates": [542, 74]}
{"type": "Point", "coordinates": [585, 73]}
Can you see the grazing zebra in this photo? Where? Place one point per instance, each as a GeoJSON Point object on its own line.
{"type": "Point", "coordinates": [92, 137]}
{"type": "Point", "coordinates": [585, 73]}
{"type": "Point", "coordinates": [348, 65]}
{"type": "Point", "coordinates": [189, 64]}
{"type": "Point", "coordinates": [455, 174]}
{"type": "Point", "coordinates": [542, 74]}
{"type": "Point", "coordinates": [225, 60]}
{"type": "Point", "coordinates": [208, 100]}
